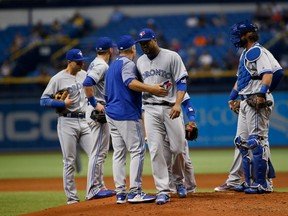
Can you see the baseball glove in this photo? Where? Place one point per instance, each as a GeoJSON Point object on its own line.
{"type": "Point", "coordinates": [235, 106]}
{"type": "Point", "coordinates": [191, 131]}
{"type": "Point", "coordinates": [258, 101]}
{"type": "Point", "coordinates": [98, 117]}
{"type": "Point", "coordinates": [61, 96]}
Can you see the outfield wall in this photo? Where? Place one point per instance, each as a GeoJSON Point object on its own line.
{"type": "Point", "coordinates": [27, 126]}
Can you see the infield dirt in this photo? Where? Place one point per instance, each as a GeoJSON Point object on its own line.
{"type": "Point", "coordinates": [196, 204]}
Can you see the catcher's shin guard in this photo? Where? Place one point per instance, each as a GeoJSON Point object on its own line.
{"type": "Point", "coordinates": [260, 167]}
{"type": "Point", "coordinates": [246, 160]}
{"type": "Point", "coordinates": [271, 172]}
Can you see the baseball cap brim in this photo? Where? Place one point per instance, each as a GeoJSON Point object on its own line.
{"type": "Point", "coordinates": [144, 39]}
{"type": "Point", "coordinates": [81, 59]}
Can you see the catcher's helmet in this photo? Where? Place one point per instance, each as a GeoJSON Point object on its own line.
{"type": "Point", "coordinates": [239, 29]}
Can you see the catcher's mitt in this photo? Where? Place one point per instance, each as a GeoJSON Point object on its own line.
{"type": "Point", "coordinates": [61, 96]}
{"type": "Point", "coordinates": [98, 117]}
{"type": "Point", "coordinates": [191, 131]}
{"type": "Point", "coordinates": [235, 106]}
{"type": "Point", "coordinates": [258, 101]}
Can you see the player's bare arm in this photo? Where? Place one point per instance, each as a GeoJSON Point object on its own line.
{"type": "Point", "coordinates": [267, 79]}
{"type": "Point", "coordinates": [89, 91]}
{"type": "Point", "coordinates": [157, 89]}
{"type": "Point", "coordinates": [176, 109]}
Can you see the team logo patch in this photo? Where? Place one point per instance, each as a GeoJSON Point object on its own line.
{"type": "Point", "coordinates": [142, 34]}
{"type": "Point", "coordinates": [190, 109]}
{"type": "Point", "coordinates": [166, 84]}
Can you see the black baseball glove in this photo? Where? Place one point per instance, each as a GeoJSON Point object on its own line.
{"type": "Point", "coordinates": [191, 131]}
{"type": "Point", "coordinates": [258, 101]}
{"type": "Point", "coordinates": [98, 117]}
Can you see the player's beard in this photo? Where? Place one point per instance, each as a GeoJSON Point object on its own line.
{"type": "Point", "coordinates": [243, 42]}
{"type": "Point", "coordinates": [146, 51]}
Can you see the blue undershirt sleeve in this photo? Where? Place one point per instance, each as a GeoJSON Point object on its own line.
{"type": "Point", "coordinates": [49, 102]}
{"type": "Point", "coordinates": [189, 109]}
{"type": "Point", "coordinates": [277, 76]}
{"type": "Point", "coordinates": [89, 81]}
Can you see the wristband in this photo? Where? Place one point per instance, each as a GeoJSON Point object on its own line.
{"type": "Point", "coordinates": [233, 94]}
{"type": "Point", "coordinates": [92, 101]}
{"type": "Point", "coordinates": [264, 88]}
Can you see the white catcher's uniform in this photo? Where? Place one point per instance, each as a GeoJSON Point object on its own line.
{"type": "Point", "coordinates": [251, 122]}
{"type": "Point", "coordinates": [71, 130]}
{"type": "Point", "coordinates": [166, 66]}
{"type": "Point", "coordinates": [100, 132]}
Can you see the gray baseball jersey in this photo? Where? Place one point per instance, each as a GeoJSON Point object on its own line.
{"type": "Point", "coordinates": [167, 68]}
{"type": "Point", "coordinates": [100, 132]}
{"type": "Point", "coordinates": [71, 131]}
{"type": "Point", "coordinates": [64, 80]}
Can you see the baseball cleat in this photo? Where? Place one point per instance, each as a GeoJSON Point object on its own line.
{"type": "Point", "coordinates": [112, 192]}
{"type": "Point", "coordinates": [140, 198]}
{"type": "Point", "coordinates": [224, 187]}
{"type": "Point", "coordinates": [121, 198]}
{"type": "Point", "coordinates": [257, 189]}
{"type": "Point", "coordinates": [103, 194]}
{"type": "Point", "coordinates": [242, 187]}
{"type": "Point", "coordinates": [181, 191]}
{"type": "Point", "coordinates": [72, 202]}
{"type": "Point", "coordinates": [192, 190]}
{"type": "Point", "coordinates": [162, 199]}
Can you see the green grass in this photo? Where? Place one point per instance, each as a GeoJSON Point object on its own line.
{"type": "Point", "coordinates": [15, 203]}
{"type": "Point", "coordinates": [47, 165]}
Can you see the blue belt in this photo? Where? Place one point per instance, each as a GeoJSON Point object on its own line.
{"type": "Point", "coordinates": [244, 97]}
{"type": "Point", "coordinates": [74, 115]}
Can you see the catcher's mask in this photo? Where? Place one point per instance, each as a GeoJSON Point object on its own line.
{"type": "Point", "coordinates": [240, 29]}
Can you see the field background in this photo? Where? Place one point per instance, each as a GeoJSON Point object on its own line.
{"type": "Point", "coordinates": [42, 165]}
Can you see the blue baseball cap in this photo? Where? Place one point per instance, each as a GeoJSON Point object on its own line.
{"type": "Point", "coordinates": [104, 43]}
{"type": "Point", "coordinates": [125, 42]}
{"type": "Point", "coordinates": [146, 34]}
{"type": "Point", "coordinates": [75, 55]}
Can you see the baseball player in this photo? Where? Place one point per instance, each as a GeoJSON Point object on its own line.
{"type": "Point", "coordinates": [162, 115]}
{"type": "Point", "coordinates": [175, 179]}
{"type": "Point", "coordinates": [236, 171]}
{"type": "Point", "coordinates": [254, 80]}
{"type": "Point", "coordinates": [72, 127]}
{"type": "Point", "coordinates": [123, 95]}
{"type": "Point", "coordinates": [173, 163]}
{"type": "Point", "coordinates": [94, 90]}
